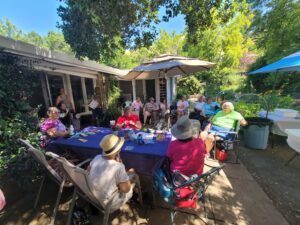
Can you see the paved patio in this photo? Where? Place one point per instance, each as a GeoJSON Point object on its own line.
{"type": "Point", "coordinates": [234, 198]}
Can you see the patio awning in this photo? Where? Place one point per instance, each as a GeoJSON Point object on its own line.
{"type": "Point", "coordinates": [46, 60]}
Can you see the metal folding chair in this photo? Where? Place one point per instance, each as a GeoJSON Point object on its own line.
{"type": "Point", "coordinates": [228, 143]}
{"type": "Point", "coordinates": [61, 181]}
{"type": "Point", "coordinates": [177, 181]}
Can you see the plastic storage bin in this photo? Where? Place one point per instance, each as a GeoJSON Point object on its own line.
{"type": "Point", "coordinates": [256, 133]}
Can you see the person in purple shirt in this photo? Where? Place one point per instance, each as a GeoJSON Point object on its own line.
{"type": "Point", "coordinates": [52, 127]}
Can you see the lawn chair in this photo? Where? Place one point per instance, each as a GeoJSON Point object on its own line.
{"type": "Point", "coordinates": [61, 181]}
{"type": "Point", "coordinates": [173, 183]}
{"type": "Point", "coordinates": [230, 144]}
{"type": "Point", "coordinates": [79, 178]}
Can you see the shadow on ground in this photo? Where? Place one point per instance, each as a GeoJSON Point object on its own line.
{"type": "Point", "coordinates": [234, 197]}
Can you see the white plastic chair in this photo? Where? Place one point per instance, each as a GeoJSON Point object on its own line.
{"type": "Point", "coordinates": [61, 181]}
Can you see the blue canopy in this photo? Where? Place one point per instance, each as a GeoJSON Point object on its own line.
{"type": "Point", "coordinates": [288, 63]}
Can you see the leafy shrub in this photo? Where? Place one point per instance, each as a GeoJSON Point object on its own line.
{"type": "Point", "coordinates": [17, 118]}
{"type": "Point", "coordinates": [247, 109]}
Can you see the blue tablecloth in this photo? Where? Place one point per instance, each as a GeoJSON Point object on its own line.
{"type": "Point", "coordinates": [143, 158]}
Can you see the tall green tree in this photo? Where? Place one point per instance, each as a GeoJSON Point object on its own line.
{"type": "Point", "coordinates": [99, 28]}
{"type": "Point", "coordinates": [276, 31]}
{"type": "Point", "coordinates": [8, 29]}
{"type": "Point", "coordinates": [53, 40]}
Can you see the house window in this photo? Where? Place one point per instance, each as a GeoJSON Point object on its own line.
{"type": "Point", "coordinates": [55, 84]}
{"type": "Point", "coordinates": [77, 94]}
{"type": "Point", "coordinates": [89, 88]}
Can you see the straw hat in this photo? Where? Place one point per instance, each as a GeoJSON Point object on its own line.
{"type": "Point", "coordinates": [111, 144]}
{"type": "Point", "coordinates": [182, 129]}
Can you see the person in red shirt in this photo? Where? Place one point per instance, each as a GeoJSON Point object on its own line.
{"type": "Point", "coordinates": [187, 153]}
{"type": "Point", "coordinates": [128, 120]}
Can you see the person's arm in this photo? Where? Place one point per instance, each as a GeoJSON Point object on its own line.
{"type": "Point", "coordinates": [243, 122]}
{"type": "Point", "coordinates": [125, 187]}
{"type": "Point", "coordinates": [180, 105]}
{"type": "Point", "coordinates": [120, 122]}
{"type": "Point", "coordinates": [122, 180]}
{"type": "Point", "coordinates": [58, 99]}
{"type": "Point", "coordinates": [54, 133]}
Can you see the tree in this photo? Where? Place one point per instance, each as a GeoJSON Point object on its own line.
{"type": "Point", "coordinates": [33, 38]}
{"type": "Point", "coordinates": [97, 29]}
{"type": "Point", "coordinates": [276, 31]}
{"type": "Point", "coordinates": [55, 41]}
{"type": "Point", "coordinates": [199, 16]}
{"type": "Point", "coordinates": [8, 29]}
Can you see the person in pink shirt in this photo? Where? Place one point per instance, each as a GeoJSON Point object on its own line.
{"type": "Point", "coordinates": [187, 153]}
{"type": "Point", "coordinates": [136, 106]}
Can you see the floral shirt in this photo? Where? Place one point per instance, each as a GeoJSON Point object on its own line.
{"type": "Point", "coordinates": [46, 125]}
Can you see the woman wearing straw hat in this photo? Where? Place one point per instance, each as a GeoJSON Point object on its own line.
{"type": "Point", "coordinates": [107, 174]}
{"type": "Point", "coordinates": [187, 153]}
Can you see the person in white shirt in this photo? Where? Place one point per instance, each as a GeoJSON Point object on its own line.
{"type": "Point", "coordinates": [182, 107]}
{"type": "Point", "coordinates": [198, 107]}
{"type": "Point", "coordinates": [107, 174]}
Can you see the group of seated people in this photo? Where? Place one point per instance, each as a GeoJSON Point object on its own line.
{"type": "Point", "coordinates": [186, 153]}
{"type": "Point", "coordinates": [203, 109]}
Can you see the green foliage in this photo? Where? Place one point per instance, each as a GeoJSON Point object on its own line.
{"type": "Point", "coordinates": [199, 15]}
{"type": "Point", "coordinates": [97, 29]}
{"type": "Point", "coordinates": [114, 94]}
{"type": "Point", "coordinates": [52, 41]}
{"type": "Point", "coordinates": [247, 109]}
{"type": "Point", "coordinates": [189, 85]}
{"type": "Point", "coordinates": [276, 29]}
{"type": "Point", "coordinates": [17, 118]}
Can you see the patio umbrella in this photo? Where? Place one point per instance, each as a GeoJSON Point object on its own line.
{"type": "Point", "coordinates": [288, 63]}
{"type": "Point", "coordinates": [167, 66]}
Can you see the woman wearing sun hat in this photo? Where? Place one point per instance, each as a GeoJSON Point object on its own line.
{"type": "Point", "coordinates": [107, 174]}
{"type": "Point", "coordinates": [187, 153]}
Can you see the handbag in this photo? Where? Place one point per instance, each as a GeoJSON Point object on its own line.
{"type": "Point", "coordinates": [93, 104]}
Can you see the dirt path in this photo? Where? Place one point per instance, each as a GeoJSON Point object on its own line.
{"type": "Point", "coordinates": [280, 182]}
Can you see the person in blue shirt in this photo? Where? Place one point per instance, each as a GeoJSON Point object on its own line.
{"type": "Point", "coordinates": [209, 107]}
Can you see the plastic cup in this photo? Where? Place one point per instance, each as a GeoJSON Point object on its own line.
{"type": "Point", "coordinates": [112, 122]}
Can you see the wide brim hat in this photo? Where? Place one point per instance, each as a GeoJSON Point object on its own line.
{"type": "Point", "coordinates": [111, 144]}
{"type": "Point", "coordinates": [182, 129]}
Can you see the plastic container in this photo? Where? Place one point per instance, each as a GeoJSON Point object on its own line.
{"type": "Point", "coordinates": [256, 133]}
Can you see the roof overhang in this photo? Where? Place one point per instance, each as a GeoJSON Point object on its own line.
{"type": "Point", "coordinates": [46, 60]}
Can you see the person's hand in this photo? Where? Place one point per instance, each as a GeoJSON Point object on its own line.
{"type": "Point", "coordinates": [132, 123]}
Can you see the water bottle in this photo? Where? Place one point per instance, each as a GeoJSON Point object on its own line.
{"type": "Point", "coordinates": [71, 130]}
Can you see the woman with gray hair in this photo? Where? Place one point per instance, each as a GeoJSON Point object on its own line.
{"type": "Point", "coordinates": [223, 121]}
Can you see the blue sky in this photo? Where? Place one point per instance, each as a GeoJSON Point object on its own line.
{"type": "Point", "coordinates": [41, 16]}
